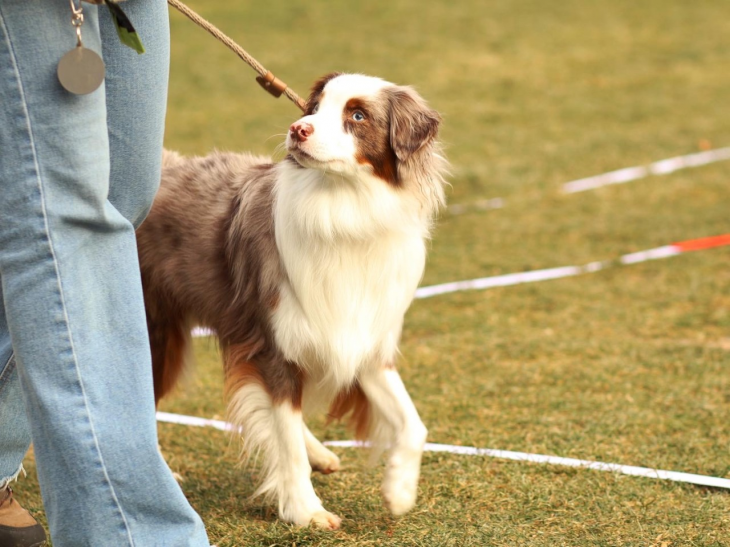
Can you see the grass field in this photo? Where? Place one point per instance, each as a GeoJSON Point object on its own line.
{"type": "Point", "coordinates": [629, 365]}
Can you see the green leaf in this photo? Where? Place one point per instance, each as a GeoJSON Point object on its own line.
{"type": "Point", "coordinates": [125, 29]}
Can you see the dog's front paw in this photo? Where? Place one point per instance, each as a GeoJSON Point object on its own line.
{"type": "Point", "coordinates": [400, 486]}
{"type": "Point", "coordinates": [399, 500]}
{"type": "Point", "coordinates": [326, 520]}
{"type": "Point", "coordinates": [324, 462]}
{"type": "Point", "coordinates": [309, 512]}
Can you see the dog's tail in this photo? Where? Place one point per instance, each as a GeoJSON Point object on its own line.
{"type": "Point", "coordinates": [353, 401]}
{"type": "Point", "coordinates": [171, 158]}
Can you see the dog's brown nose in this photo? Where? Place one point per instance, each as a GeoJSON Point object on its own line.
{"type": "Point", "coordinates": [301, 130]}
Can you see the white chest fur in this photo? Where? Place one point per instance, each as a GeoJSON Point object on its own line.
{"type": "Point", "coordinates": [354, 253]}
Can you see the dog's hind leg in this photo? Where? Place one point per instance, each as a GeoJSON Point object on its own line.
{"type": "Point", "coordinates": [320, 458]}
{"type": "Point", "coordinates": [396, 424]}
{"type": "Point", "coordinates": [271, 425]}
{"type": "Point", "coordinates": [170, 346]}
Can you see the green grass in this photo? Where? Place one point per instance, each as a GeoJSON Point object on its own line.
{"type": "Point", "coordinates": [629, 365]}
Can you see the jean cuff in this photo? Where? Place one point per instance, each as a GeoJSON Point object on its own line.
{"type": "Point", "coordinates": [4, 482]}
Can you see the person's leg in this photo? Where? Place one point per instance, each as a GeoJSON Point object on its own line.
{"type": "Point", "coordinates": [14, 426]}
{"type": "Point", "coordinates": [73, 301]}
{"type": "Point", "coordinates": [136, 92]}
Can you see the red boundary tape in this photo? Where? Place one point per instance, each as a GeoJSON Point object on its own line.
{"type": "Point", "coordinates": [703, 243]}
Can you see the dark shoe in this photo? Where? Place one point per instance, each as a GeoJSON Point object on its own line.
{"type": "Point", "coordinates": [17, 527]}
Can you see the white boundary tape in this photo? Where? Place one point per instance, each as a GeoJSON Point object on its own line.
{"type": "Point", "coordinates": [544, 275]}
{"type": "Point", "coordinates": [620, 176]}
{"type": "Point", "coordinates": [506, 280]}
{"type": "Point", "coordinates": [651, 254]}
{"type": "Point", "coordinates": [613, 177]}
{"type": "Point", "coordinates": [194, 421]}
{"type": "Point", "coordinates": [657, 253]}
{"type": "Point", "coordinates": [702, 480]}
{"type": "Point", "coordinates": [662, 167]}
{"type": "Point", "coordinates": [483, 205]}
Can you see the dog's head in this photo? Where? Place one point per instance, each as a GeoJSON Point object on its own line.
{"type": "Point", "coordinates": [359, 126]}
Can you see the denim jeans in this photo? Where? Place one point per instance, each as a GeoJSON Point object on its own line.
{"type": "Point", "coordinates": [77, 174]}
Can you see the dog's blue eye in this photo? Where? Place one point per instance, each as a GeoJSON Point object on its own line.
{"type": "Point", "coordinates": [315, 109]}
{"type": "Point", "coordinates": [358, 116]}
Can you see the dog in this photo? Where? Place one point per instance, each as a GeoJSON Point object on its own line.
{"type": "Point", "coordinates": [304, 269]}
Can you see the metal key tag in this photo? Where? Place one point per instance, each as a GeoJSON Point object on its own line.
{"type": "Point", "coordinates": [81, 70]}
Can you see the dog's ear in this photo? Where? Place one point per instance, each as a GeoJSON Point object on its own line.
{"type": "Point", "coordinates": [412, 123]}
{"type": "Point", "coordinates": [316, 91]}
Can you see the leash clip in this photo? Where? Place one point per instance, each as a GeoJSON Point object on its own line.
{"type": "Point", "coordinates": [272, 84]}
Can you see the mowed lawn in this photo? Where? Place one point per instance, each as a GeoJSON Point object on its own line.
{"type": "Point", "coordinates": [629, 365]}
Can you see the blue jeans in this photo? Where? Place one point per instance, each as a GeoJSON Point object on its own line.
{"type": "Point", "coordinates": [77, 174]}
